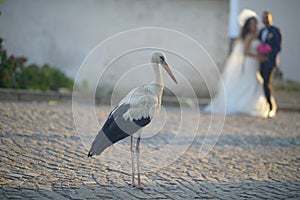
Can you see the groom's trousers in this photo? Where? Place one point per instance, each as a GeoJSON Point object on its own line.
{"type": "Point", "coordinates": [267, 73]}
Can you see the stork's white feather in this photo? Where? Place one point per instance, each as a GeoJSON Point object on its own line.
{"type": "Point", "coordinates": [144, 101]}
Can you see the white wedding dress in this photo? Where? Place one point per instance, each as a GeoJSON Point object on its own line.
{"type": "Point", "coordinates": [243, 90]}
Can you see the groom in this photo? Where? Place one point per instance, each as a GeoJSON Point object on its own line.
{"type": "Point", "coordinates": [272, 36]}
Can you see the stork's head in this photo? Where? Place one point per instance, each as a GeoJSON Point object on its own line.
{"type": "Point", "coordinates": [160, 59]}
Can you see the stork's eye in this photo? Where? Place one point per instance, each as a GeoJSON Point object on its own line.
{"type": "Point", "coordinates": [162, 58]}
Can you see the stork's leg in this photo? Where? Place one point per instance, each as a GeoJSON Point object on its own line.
{"type": "Point", "coordinates": [138, 160]}
{"type": "Point", "coordinates": [132, 161]}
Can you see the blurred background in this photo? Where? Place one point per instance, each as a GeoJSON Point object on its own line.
{"type": "Point", "coordinates": [61, 33]}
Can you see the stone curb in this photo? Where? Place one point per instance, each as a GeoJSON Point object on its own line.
{"type": "Point", "coordinates": [32, 95]}
{"type": "Point", "coordinates": [47, 96]}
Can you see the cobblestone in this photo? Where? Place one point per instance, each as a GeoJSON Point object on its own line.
{"type": "Point", "coordinates": [42, 157]}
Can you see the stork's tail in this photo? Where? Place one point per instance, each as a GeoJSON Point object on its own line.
{"type": "Point", "coordinates": [100, 143]}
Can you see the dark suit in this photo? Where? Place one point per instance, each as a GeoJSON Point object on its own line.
{"type": "Point", "coordinates": [268, 68]}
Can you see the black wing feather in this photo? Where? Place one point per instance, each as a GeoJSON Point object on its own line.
{"type": "Point", "coordinates": [117, 128]}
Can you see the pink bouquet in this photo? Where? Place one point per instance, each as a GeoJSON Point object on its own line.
{"type": "Point", "coordinates": [264, 49]}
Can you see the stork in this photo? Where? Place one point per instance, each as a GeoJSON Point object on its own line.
{"type": "Point", "coordinates": [134, 111]}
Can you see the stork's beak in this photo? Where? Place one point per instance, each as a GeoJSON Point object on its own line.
{"type": "Point", "coordinates": [167, 68]}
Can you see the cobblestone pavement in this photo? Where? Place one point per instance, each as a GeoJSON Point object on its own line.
{"type": "Point", "coordinates": [42, 157]}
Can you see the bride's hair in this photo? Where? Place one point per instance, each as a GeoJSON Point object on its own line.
{"type": "Point", "coordinates": [245, 29]}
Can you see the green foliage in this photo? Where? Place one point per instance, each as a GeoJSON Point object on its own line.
{"type": "Point", "coordinates": [15, 74]}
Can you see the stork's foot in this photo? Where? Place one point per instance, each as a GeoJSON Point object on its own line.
{"type": "Point", "coordinates": [133, 185]}
{"type": "Point", "coordinates": [140, 187]}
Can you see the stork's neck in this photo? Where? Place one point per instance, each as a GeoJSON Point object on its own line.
{"type": "Point", "coordinates": [158, 78]}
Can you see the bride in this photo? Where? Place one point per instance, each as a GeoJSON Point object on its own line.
{"type": "Point", "coordinates": [243, 91]}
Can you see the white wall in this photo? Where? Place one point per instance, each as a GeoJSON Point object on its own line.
{"type": "Point", "coordinates": [61, 33]}
{"type": "Point", "coordinates": [286, 16]}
